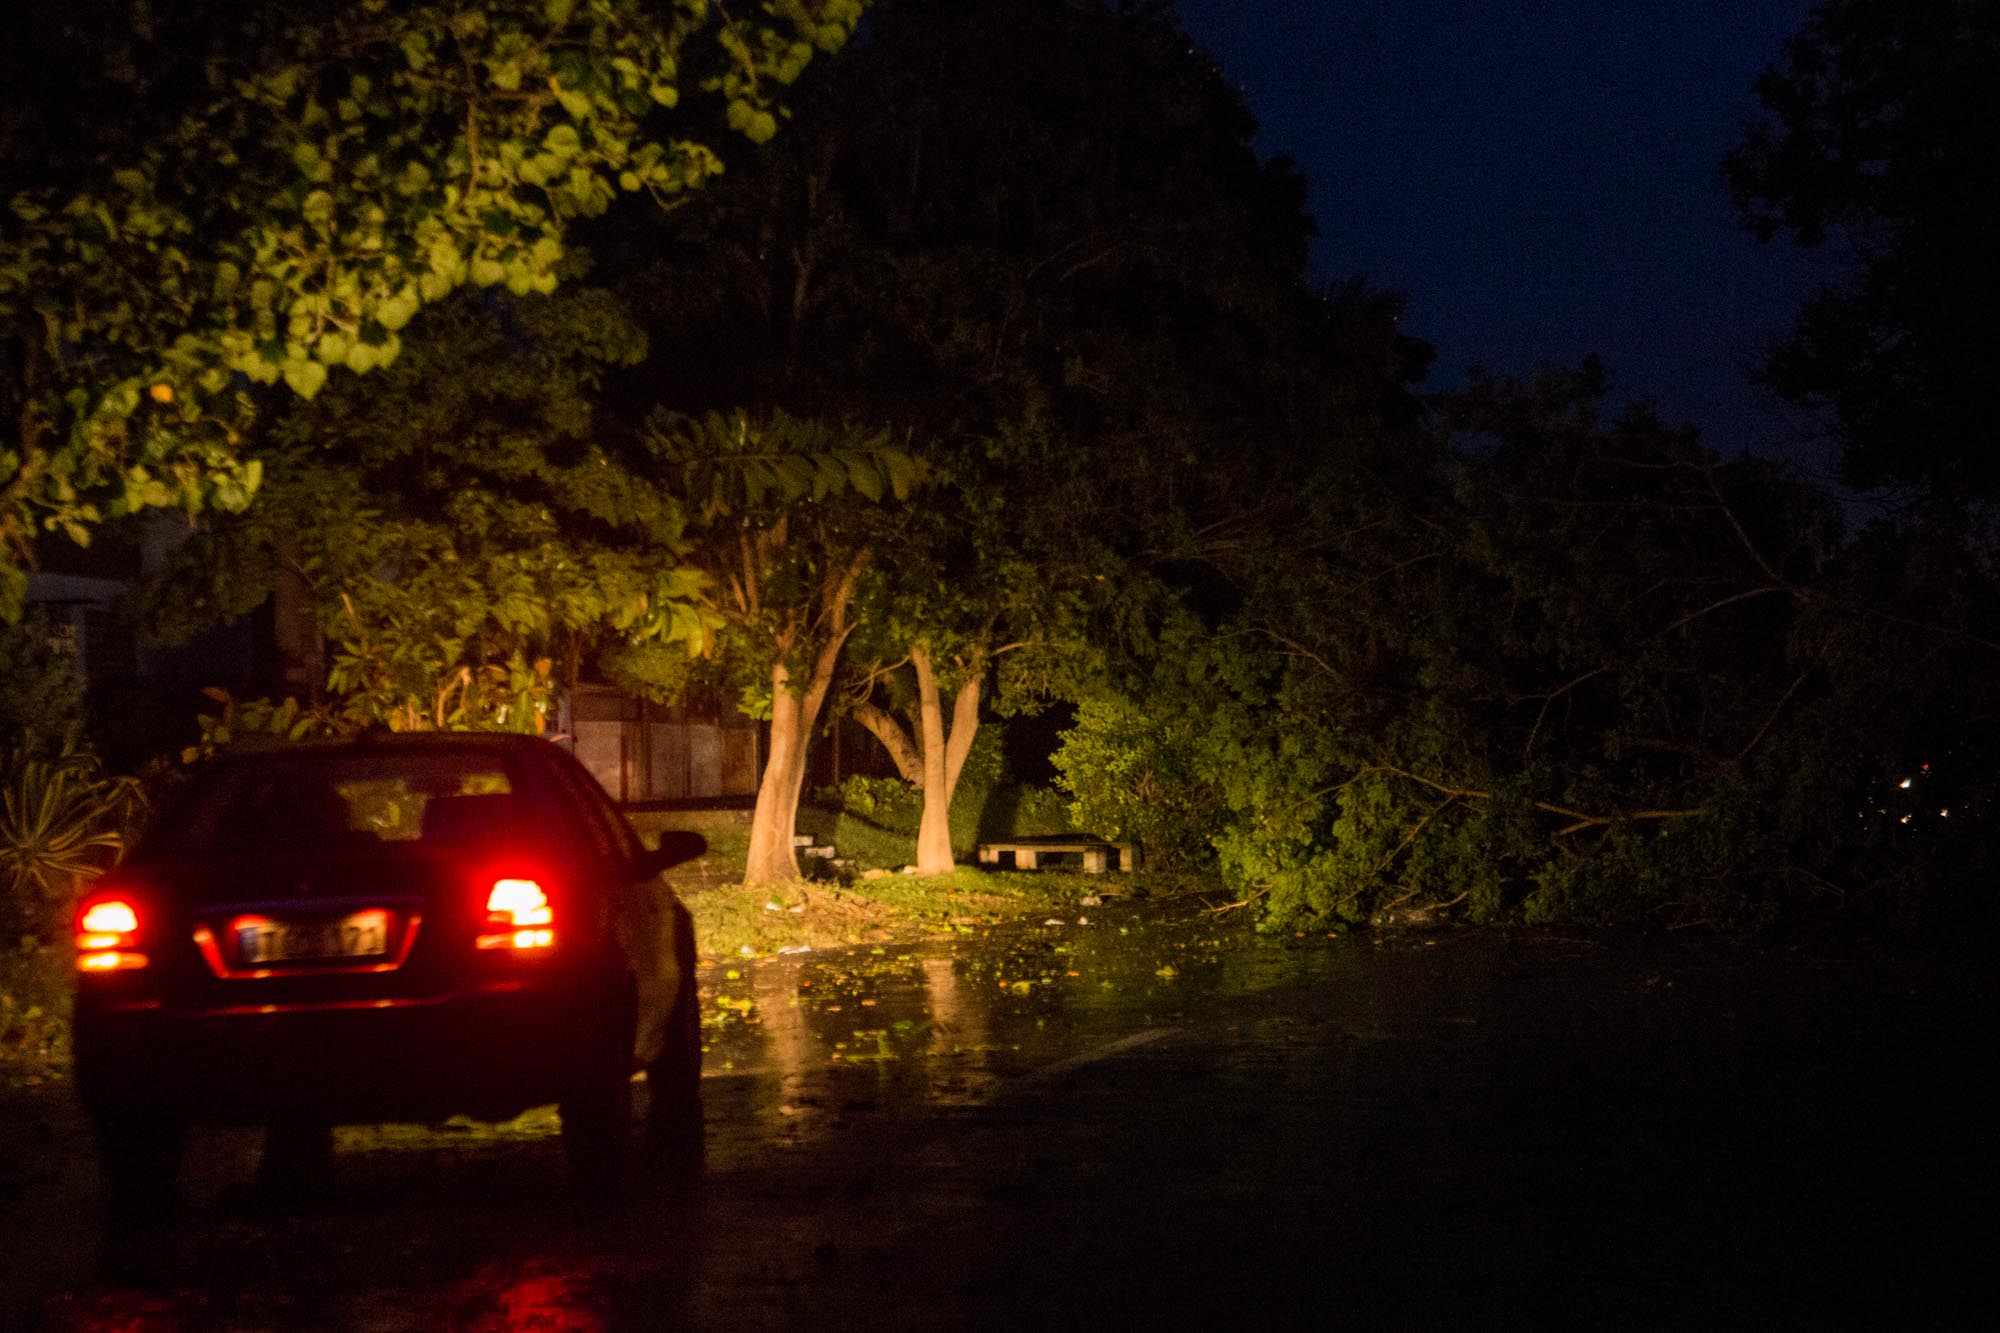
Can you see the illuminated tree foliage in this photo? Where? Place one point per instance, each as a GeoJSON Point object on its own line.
{"type": "Point", "coordinates": [308, 178]}
{"type": "Point", "coordinates": [468, 527]}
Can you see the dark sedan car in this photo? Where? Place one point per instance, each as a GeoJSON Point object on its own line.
{"type": "Point", "coordinates": [401, 928]}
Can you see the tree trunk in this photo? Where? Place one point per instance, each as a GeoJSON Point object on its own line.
{"type": "Point", "coordinates": [943, 760]}
{"type": "Point", "coordinates": [895, 740]}
{"type": "Point", "coordinates": [793, 714]}
{"type": "Point", "coordinates": [772, 856]}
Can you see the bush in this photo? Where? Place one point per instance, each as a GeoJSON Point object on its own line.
{"type": "Point", "coordinates": [62, 823]}
{"type": "Point", "coordinates": [1136, 772]}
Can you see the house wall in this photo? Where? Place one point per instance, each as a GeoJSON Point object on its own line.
{"type": "Point", "coordinates": [649, 752]}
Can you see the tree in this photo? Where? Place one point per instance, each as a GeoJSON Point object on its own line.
{"type": "Point", "coordinates": [1877, 139]}
{"type": "Point", "coordinates": [1035, 237]}
{"type": "Point", "coordinates": [987, 204]}
{"type": "Point", "coordinates": [469, 528]}
{"type": "Point", "coordinates": [783, 534]}
{"type": "Point", "coordinates": [312, 178]}
{"type": "Point", "coordinates": [1582, 670]}
{"type": "Point", "coordinates": [960, 589]}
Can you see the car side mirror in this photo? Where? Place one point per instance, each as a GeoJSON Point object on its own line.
{"type": "Point", "coordinates": [677, 847]}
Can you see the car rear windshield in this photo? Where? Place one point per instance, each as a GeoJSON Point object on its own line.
{"type": "Point", "coordinates": [316, 802]}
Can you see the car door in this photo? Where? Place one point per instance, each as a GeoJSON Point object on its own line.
{"type": "Point", "coordinates": [644, 918]}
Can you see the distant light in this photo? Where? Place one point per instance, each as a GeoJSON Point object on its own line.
{"type": "Point", "coordinates": [1904, 783]}
{"type": "Point", "coordinates": [1944, 814]}
{"type": "Point", "coordinates": [1904, 820]}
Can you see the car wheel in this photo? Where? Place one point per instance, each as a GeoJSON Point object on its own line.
{"type": "Point", "coordinates": [673, 1081]}
{"type": "Point", "coordinates": [597, 1113]}
{"type": "Point", "coordinates": [141, 1158]}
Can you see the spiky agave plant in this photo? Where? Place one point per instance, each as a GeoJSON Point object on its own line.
{"type": "Point", "coordinates": [62, 822]}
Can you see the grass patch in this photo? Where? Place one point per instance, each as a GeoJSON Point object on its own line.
{"type": "Point", "coordinates": [737, 921]}
{"type": "Point", "coordinates": [732, 920]}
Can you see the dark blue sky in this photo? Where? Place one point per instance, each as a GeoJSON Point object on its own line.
{"type": "Point", "coordinates": [1542, 179]}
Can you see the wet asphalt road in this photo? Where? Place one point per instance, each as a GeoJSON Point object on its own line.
{"type": "Point", "coordinates": [1152, 1120]}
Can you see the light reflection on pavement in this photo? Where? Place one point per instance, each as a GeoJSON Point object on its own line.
{"type": "Point", "coordinates": [1148, 1118]}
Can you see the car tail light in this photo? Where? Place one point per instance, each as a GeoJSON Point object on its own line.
{"type": "Point", "coordinates": [107, 936]}
{"type": "Point", "coordinates": [517, 916]}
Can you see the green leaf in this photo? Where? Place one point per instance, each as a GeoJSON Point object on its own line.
{"type": "Point", "coordinates": [317, 208]}
{"type": "Point", "coordinates": [305, 377]}
{"type": "Point", "coordinates": [398, 310]}
{"type": "Point", "coordinates": [853, 471]}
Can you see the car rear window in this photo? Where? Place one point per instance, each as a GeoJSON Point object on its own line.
{"type": "Point", "coordinates": [333, 800]}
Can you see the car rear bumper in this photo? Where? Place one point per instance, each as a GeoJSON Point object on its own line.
{"type": "Point", "coordinates": [490, 1053]}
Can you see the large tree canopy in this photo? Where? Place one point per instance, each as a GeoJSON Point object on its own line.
{"type": "Point", "coordinates": [1034, 236]}
{"type": "Point", "coordinates": [307, 178]}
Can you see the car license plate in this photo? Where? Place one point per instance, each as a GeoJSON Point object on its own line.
{"type": "Point", "coordinates": [361, 935]}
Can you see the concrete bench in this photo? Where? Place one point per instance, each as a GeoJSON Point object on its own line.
{"type": "Point", "coordinates": [1096, 853]}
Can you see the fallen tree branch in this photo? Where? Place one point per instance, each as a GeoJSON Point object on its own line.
{"type": "Point", "coordinates": [1245, 902]}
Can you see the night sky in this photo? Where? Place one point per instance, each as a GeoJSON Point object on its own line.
{"type": "Point", "coordinates": [1542, 179]}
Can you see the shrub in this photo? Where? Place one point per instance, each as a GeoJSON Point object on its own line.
{"type": "Point", "coordinates": [1137, 772]}
{"type": "Point", "coordinates": [62, 822]}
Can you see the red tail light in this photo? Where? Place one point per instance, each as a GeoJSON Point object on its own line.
{"type": "Point", "coordinates": [107, 936]}
{"type": "Point", "coordinates": [517, 916]}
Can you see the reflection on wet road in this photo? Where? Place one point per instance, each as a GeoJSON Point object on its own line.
{"type": "Point", "coordinates": [1131, 1118]}
{"type": "Point", "coordinates": [938, 1026]}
